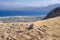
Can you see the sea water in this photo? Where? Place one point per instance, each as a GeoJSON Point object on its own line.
{"type": "Point", "coordinates": [4, 13]}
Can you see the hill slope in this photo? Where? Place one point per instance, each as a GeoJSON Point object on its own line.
{"type": "Point", "coordinates": [39, 30]}
{"type": "Point", "coordinates": [53, 13]}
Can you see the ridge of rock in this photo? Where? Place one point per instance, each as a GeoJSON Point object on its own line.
{"type": "Point", "coordinates": [53, 13]}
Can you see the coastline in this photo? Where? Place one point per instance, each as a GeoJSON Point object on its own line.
{"type": "Point", "coordinates": [23, 16]}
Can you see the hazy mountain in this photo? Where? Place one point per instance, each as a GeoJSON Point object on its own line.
{"type": "Point", "coordinates": [41, 9]}
{"type": "Point", "coordinates": [23, 11]}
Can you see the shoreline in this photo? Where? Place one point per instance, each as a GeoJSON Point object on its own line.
{"type": "Point", "coordinates": [23, 16]}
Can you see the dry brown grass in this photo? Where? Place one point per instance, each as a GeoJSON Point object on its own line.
{"type": "Point", "coordinates": [40, 30]}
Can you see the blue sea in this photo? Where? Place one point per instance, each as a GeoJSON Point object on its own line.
{"type": "Point", "coordinates": [4, 13]}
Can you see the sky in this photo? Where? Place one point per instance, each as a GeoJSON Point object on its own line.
{"type": "Point", "coordinates": [26, 3]}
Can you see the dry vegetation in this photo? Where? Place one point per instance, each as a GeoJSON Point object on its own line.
{"type": "Point", "coordinates": [40, 30]}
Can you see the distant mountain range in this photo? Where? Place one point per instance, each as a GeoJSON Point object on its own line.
{"type": "Point", "coordinates": [50, 7]}
{"type": "Point", "coordinates": [45, 9]}
{"type": "Point", "coordinates": [27, 11]}
{"type": "Point", "coordinates": [31, 8]}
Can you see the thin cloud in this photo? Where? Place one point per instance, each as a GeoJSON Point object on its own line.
{"type": "Point", "coordinates": [28, 4]}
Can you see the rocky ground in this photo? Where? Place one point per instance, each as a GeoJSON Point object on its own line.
{"type": "Point", "coordinates": [40, 30]}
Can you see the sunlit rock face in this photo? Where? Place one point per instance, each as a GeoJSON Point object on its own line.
{"type": "Point", "coordinates": [53, 13]}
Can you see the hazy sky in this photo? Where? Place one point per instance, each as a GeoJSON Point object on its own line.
{"type": "Point", "coordinates": [26, 3]}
